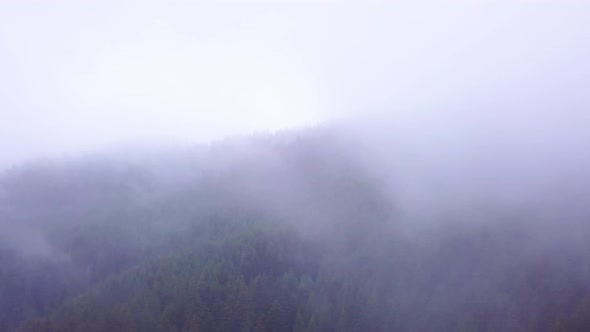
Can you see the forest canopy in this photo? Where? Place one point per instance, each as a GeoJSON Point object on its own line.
{"type": "Point", "coordinates": [289, 232]}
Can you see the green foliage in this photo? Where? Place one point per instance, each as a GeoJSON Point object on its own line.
{"type": "Point", "coordinates": [294, 238]}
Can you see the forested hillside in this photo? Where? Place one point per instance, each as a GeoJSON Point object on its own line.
{"type": "Point", "coordinates": [320, 229]}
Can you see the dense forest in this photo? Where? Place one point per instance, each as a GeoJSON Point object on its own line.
{"type": "Point", "coordinates": [319, 229]}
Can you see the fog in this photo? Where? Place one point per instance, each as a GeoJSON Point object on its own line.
{"type": "Point", "coordinates": [347, 166]}
{"type": "Point", "coordinates": [89, 76]}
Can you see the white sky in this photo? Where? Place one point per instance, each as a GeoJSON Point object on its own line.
{"type": "Point", "coordinates": [77, 75]}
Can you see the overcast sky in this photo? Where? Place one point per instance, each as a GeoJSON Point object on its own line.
{"type": "Point", "coordinates": [82, 75]}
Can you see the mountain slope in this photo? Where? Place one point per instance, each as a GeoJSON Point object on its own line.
{"type": "Point", "coordinates": [314, 230]}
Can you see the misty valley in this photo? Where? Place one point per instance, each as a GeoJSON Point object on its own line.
{"type": "Point", "coordinates": [330, 228]}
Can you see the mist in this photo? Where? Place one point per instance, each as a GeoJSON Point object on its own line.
{"type": "Point", "coordinates": [81, 77]}
{"type": "Point", "coordinates": [294, 166]}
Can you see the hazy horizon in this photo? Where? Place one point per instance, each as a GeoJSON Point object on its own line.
{"type": "Point", "coordinates": [80, 77]}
